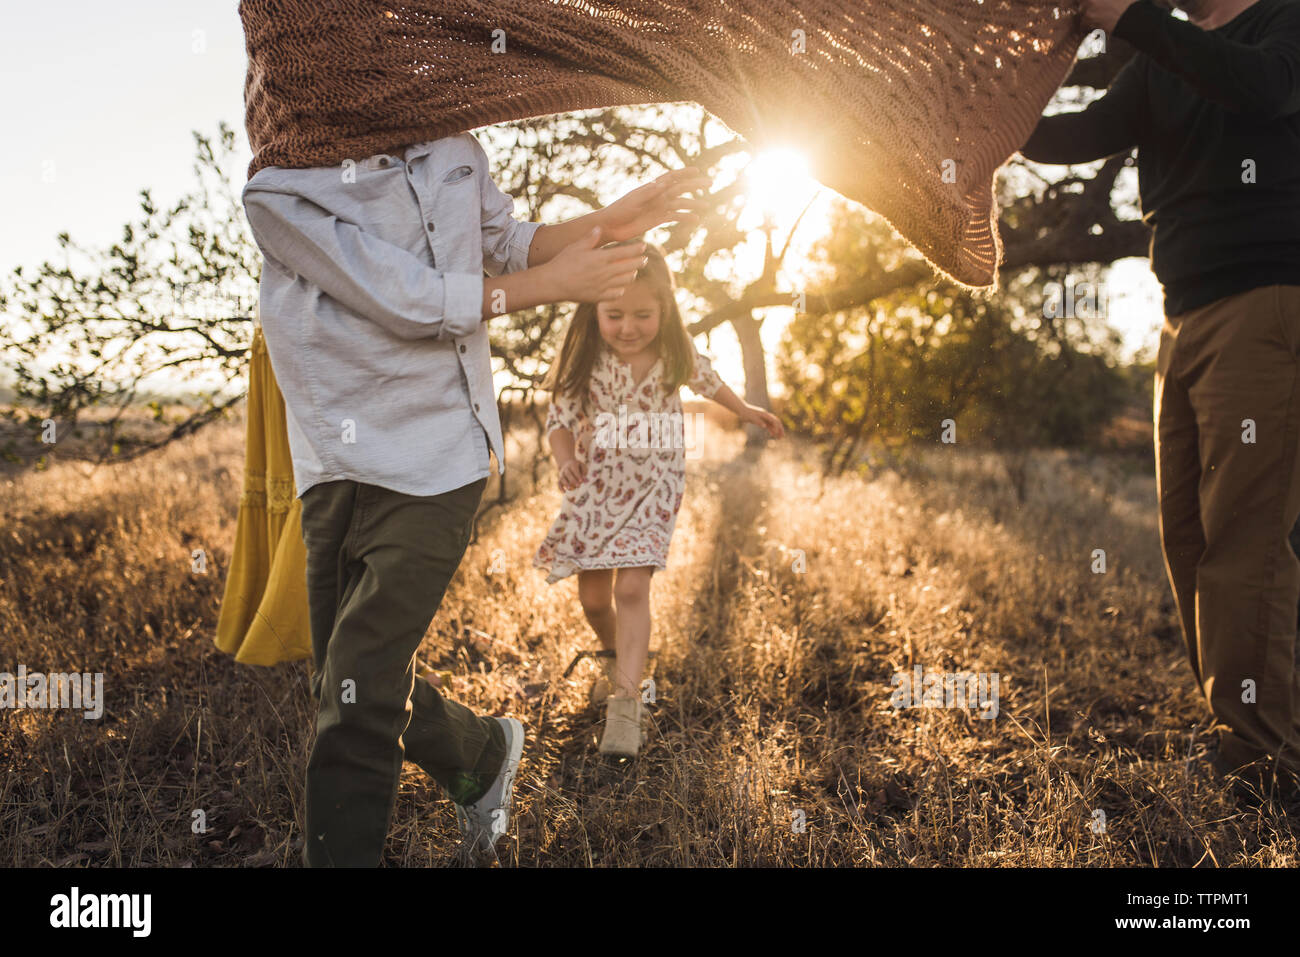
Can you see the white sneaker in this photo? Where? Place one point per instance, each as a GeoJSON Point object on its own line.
{"type": "Point", "coordinates": [484, 821]}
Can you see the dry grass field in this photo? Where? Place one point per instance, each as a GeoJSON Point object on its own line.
{"type": "Point", "coordinates": [788, 605]}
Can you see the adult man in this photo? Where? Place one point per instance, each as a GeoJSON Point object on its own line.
{"type": "Point", "coordinates": [1213, 107]}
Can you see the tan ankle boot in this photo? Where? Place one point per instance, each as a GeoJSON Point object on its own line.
{"type": "Point", "coordinates": [604, 685]}
{"type": "Point", "coordinates": [622, 726]}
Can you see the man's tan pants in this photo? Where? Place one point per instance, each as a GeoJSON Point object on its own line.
{"type": "Point", "coordinates": [1227, 417]}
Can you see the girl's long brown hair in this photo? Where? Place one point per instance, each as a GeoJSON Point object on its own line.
{"type": "Point", "coordinates": [571, 371]}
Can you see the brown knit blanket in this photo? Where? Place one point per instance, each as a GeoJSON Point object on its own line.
{"type": "Point", "coordinates": [906, 106]}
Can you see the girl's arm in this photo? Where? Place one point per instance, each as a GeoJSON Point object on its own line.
{"type": "Point", "coordinates": [563, 446]}
{"type": "Point", "coordinates": [730, 401]}
{"type": "Point", "coordinates": [563, 419]}
{"type": "Point", "coordinates": [749, 413]}
{"type": "Point", "coordinates": [570, 473]}
{"type": "Point", "coordinates": [704, 381]}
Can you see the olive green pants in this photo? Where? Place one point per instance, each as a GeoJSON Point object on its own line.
{"type": "Point", "coordinates": [378, 564]}
{"type": "Point", "coordinates": [1227, 414]}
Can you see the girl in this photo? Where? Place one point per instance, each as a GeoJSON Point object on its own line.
{"type": "Point", "coordinates": [615, 429]}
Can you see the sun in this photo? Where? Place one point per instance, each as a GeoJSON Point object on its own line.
{"type": "Point", "coordinates": [778, 185]}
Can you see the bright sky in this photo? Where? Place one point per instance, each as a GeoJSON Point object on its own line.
{"type": "Point", "coordinates": [108, 108]}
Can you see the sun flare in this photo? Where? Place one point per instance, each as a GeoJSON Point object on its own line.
{"type": "Point", "coordinates": [779, 184]}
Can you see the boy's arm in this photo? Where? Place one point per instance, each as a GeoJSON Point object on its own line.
{"type": "Point", "coordinates": [512, 245]}
{"type": "Point", "coordinates": [1262, 80]}
{"type": "Point", "coordinates": [382, 282]}
{"type": "Point", "coordinates": [508, 243]}
{"type": "Point", "coordinates": [1107, 126]}
{"type": "Point", "coordinates": [550, 238]}
{"type": "Point", "coordinates": [519, 290]}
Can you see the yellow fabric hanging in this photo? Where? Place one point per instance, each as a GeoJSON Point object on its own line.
{"type": "Point", "coordinates": [264, 618]}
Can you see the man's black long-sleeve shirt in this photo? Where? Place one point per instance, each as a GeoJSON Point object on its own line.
{"type": "Point", "coordinates": [1203, 108]}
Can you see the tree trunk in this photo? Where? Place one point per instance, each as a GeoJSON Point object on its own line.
{"type": "Point", "coordinates": [751, 351]}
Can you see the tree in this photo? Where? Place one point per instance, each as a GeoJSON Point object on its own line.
{"type": "Point", "coordinates": [901, 368]}
{"type": "Point", "coordinates": [176, 294]}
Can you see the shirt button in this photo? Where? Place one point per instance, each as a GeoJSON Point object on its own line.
{"type": "Point", "coordinates": [475, 406]}
{"type": "Point", "coordinates": [430, 225]}
{"type": "Point", "coordinates": [462, 348]}
{"type": "Point", "coordinates": [383, 161]}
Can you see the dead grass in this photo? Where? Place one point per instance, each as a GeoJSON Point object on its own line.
{"type": "Point", "coordinates": [788, 605]}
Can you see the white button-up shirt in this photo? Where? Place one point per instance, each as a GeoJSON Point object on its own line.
{"type": "Point", "coordinates": [371, 304]}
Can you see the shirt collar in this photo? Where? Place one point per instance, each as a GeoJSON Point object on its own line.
{"type": "Point", "coordinates": [412, 152]}
{"type": "Point", "coordinates": [419, 149]}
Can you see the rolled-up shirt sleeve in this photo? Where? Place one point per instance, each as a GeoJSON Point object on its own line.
{"type": "Point", "coordinates": [506, 240]}
{"type": "Point", "coordinates": [376, 279]}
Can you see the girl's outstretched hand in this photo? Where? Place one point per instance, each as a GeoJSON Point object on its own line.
{"type": "Point", "coordinates": [765, 420]}
{"type": "Point", "coordinates": [663, 200]}
{"type": "Point", "coordinates": [571, 475]}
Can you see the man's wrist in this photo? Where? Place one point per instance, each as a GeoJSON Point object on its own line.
{"type": "Point", "coordinates": [1141, 21]}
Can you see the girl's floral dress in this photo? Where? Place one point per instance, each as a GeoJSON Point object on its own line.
{"type": "Point", "coordinates": [631, 438]}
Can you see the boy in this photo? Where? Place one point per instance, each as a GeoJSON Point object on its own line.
{"type": "Point", "coordinates": [373, 306]}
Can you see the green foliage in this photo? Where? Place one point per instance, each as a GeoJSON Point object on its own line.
{"type": "Point", "coordinates": [890, 373]}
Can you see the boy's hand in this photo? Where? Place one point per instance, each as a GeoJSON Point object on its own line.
{"type": "Point", "coordinates": [584, 272]}
{"type": "Point", "coordinates": [663, 200]}
{"type": "Point", "coordinates": [765, 420]}
{"type": "Point", "coordinates": [572, 474]}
